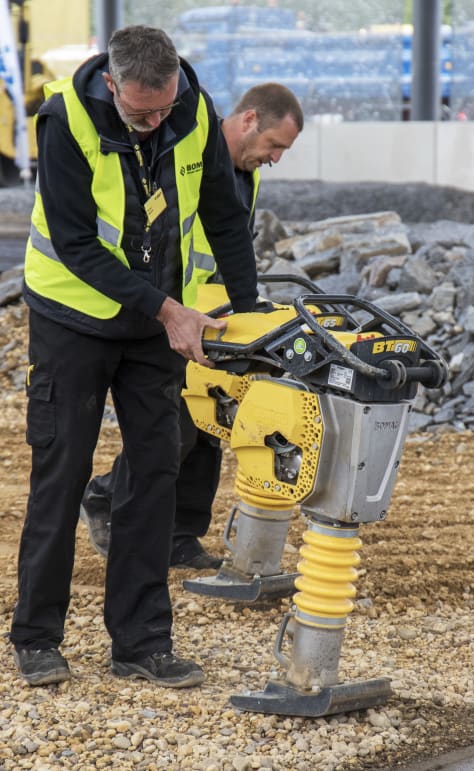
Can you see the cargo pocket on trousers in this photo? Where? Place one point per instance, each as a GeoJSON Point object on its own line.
{"type": "Point", "coordinates": [41, 412]}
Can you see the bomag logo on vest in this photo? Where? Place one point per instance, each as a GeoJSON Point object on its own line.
{"type": "Point", "coordinates": [394, 346]}
{"type": "Point", "coordinates": [191, 168]}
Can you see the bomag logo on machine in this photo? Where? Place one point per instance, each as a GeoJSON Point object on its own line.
{"type": "Point", "coordinates": [394, 346]}
{"type": "Point", "coordinates": [191, 168]}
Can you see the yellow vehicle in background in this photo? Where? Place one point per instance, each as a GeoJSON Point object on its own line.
{"type": "Point", "coordinates": [52, 38]}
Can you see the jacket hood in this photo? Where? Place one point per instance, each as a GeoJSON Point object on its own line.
{"type": "Point", "coordinates": [98, 101]}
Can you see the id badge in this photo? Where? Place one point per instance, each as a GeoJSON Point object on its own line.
{"type": "Point", "coordinates": [155, 205]}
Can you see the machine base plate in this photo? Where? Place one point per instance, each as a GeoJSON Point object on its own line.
{"type": "Point", "coordinates": [239, 587]}
{"type": "Point", "coordinates": [282, 699]}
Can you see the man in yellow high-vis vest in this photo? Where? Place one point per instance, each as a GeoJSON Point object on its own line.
{"type": "Point", "coordinates": [130, 152]}
{"type": "Point", "coordinates": [264, 123]}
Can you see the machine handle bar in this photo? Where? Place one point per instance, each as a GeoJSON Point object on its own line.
{"type": "Point", "coordinates": [392, 374]}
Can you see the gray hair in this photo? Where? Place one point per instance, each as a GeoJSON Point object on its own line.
{"type": "Point", "coordinates": [144, 55]}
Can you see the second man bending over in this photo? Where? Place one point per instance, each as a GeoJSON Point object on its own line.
{"type": "Point", "coordinates": [264, 123]}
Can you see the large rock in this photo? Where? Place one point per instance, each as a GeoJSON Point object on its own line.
{"type": "Point", "coordinates": [423, 273]}
{"type": "Point", "coordinates": [341, 243]}
{"type": "Point", "coordinates": [431, 290]}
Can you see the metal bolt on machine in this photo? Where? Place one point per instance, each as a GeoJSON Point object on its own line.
{"type": "Point", "coordinates": [314, 398]}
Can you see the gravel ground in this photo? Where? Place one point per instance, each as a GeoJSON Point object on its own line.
{"type": "Point", "coordinates": [413, 623]}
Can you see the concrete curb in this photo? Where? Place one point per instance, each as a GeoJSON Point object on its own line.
{"type": "Point", "coordinates": [457, 760]}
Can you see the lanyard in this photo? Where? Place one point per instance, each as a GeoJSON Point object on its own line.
{"type": "Point", "coordinates": [145, 180]}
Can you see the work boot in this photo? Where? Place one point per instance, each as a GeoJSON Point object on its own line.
{"type": "Point", "coordinates": [187, 552]}
{"type": "Point", "coordinates": [42, 667]}
{"type": "Point", "coordinates": [95, 513]}
{"type": "Point", "coordinates": [162, 668]}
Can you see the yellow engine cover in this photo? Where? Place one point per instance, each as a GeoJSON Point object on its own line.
{"type": "Point", "coordinates": [276, 408]}
{"type": "Point", "coordinates": [202, 405]}
{"type": "Point", "coordinates": [210, 297]}
{"type": "Point", "coordinates": [207, 390]}
{"type": "Point", "coordinates": [244, 328]}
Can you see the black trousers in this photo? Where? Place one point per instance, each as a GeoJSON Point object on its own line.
{"type": "Point", "coordinates": [198, 480]}
{"type": "Point", "coordinates": [66, 395]}
{"type": "Point", "coordinates": [196, 485]}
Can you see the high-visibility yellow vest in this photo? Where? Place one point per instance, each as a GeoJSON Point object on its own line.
{"type": "Point", "coordinates": [46, 275]}
{"type": "Point", "coordinates": [201, 252]}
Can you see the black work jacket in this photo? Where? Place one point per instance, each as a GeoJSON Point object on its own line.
{"type": "Point", "coordinates": [65, 178]}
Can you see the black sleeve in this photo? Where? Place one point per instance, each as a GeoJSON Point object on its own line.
{"type": "Point", "coordinates": [225, 220]}
{"type": "Point", "coordinates": [65, 181]}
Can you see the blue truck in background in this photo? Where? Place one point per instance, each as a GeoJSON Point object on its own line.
{"type": "Point", "coordinates": [361, 75]}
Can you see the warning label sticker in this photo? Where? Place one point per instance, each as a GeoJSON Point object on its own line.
{"type": "Point", "coordinates": [340, 377]}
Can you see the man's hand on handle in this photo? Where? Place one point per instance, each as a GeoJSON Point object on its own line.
{"type": "Point", "coordinates": [185, 328]}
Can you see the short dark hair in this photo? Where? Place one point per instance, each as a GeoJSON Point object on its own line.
{"type": "Point", "coordinates": [272, 102]}
{"type": "Point", "coordinates": [142, 54]}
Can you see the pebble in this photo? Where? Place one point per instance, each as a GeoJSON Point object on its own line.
{"type": "Point", "coordinates": [408, 633]}
{"type": "Point", "coordinates": [95, 721]}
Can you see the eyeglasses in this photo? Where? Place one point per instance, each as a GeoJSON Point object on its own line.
{"type": "Point", "coordinates": [163, 111]}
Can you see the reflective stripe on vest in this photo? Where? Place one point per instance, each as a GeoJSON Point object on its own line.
{"type": "Point", "coordinates": [105, 231]}
{"type": "Point", "coordinates": [201, 252]}
{"type": "Point", "coordinates": [46, 275]}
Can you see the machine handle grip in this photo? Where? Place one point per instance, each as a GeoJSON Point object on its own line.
{"type": "Point", "coordinates": [392, 373]}
{"type": "Point", "coordinates": [432, 374]}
